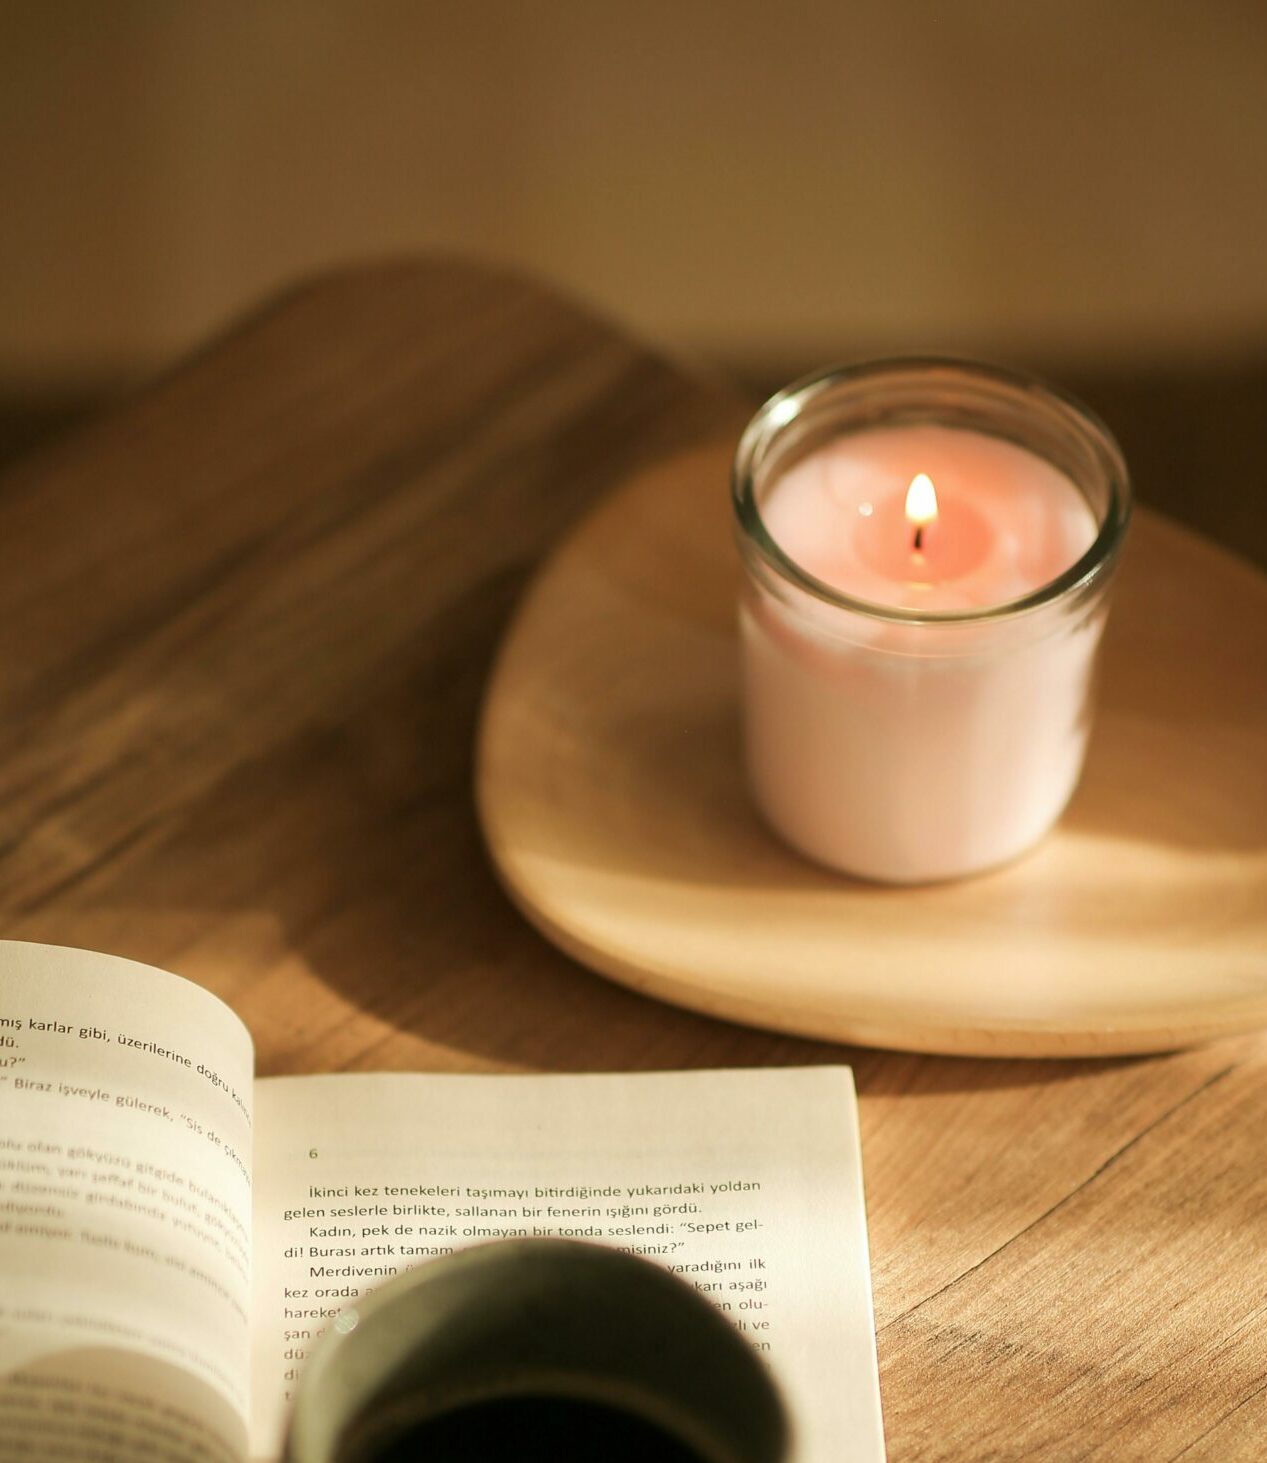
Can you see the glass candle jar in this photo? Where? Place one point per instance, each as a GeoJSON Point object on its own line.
{"type": "Point", "coordinates": [928, 547]}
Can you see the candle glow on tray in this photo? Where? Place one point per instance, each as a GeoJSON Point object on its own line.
{"type": "Point", "coordinates": [916, 678]}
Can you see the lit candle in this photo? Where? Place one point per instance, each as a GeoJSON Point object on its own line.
{"type": "Point", "coordinates": [928, 547]}
{"type": "Point", "coordinates": [921, 510]}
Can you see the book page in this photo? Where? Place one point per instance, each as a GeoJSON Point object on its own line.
{"type": "Point", "coordinates": [125, 1152]}
{"type": "Point", "coordinates": [747, 1184]}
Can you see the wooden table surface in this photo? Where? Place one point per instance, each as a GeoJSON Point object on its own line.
{"type": "Point", "coordinates": [245, 620]}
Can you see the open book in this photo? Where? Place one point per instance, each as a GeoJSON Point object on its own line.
{"type": "Point", "coordinates": [174, 1235]}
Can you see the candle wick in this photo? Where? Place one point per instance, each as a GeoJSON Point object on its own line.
{"type": "Point", "coordinates": [919, 537]}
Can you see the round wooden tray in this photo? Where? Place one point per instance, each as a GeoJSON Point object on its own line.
{"type": "Point", "coordinates": [612, 798]}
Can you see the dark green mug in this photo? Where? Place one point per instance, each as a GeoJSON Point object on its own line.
{"type": "Point", "coordinates": [536, 1348]}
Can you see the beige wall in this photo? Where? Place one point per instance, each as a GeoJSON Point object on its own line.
{"type": "Point", "coordinates": [749, 183]}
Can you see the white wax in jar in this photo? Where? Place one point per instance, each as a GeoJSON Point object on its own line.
{"type": "Point", "coordinates": [909, 752]}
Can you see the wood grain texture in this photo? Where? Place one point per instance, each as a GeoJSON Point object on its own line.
{"type": "Point", "coordinates": [613, 796]}
{"type": "Point", "coordinates": [245, 622]}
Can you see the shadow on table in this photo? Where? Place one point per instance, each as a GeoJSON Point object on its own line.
{"type": "Point", "coordinates": [390, 901]}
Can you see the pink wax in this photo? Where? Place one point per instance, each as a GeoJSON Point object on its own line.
{"type": "Point", "coordinates": [909, 751]}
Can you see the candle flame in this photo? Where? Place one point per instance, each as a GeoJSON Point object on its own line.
{"type": "Point", "coordinates": [921, 500]}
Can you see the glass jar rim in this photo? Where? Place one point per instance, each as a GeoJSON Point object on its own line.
{"type": "Point", "coordinates": [788, 404]}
